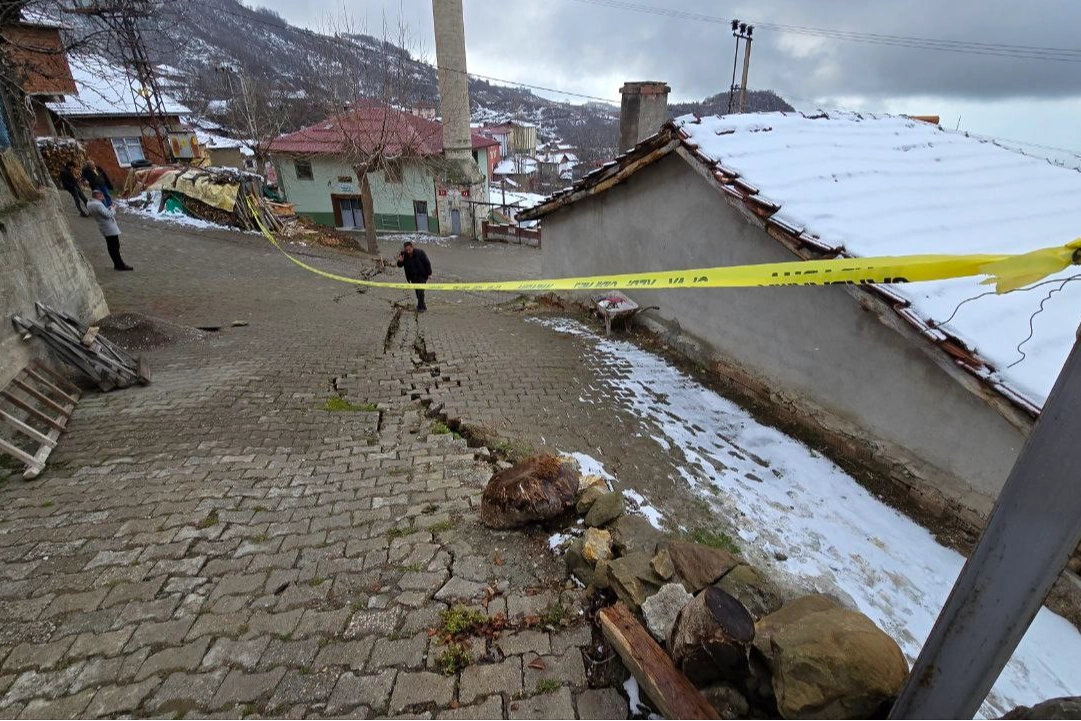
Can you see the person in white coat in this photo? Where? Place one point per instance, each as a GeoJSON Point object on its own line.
{"type": "Point", "coordinates": [106, 220]}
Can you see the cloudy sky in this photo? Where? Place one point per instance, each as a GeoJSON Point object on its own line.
{"type": "Point", "coordinates": [591, 47]}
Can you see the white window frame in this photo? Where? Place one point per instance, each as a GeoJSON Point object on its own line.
{"type": "Point", "coordinates": [123, 146]}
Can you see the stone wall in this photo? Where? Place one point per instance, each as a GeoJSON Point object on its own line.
{"type": "Point", "coordinates": [39, 261]}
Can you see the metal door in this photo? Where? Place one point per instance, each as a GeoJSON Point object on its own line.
{"type": "Point", "coordinates": [455, 222]}
{"type": "Point", "coordinates": [420, 210]}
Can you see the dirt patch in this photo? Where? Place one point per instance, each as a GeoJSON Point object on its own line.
{"type": "Point", "coordinates": [137, 332]}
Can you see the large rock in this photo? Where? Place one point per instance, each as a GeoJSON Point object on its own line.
{"type": "Point", "coordinates": [835, 664]}
{"type": "Point", "coordinates": [699, 566]}
{"type": "Point", "coordinates": [588, 497]}
{"type": "Point", "coordinates": [538, 488]}
{"type": "Point", "coordinates": [633, 534]}
{"type": "Point", "coordinates": [577, 565]}
{"type": "Point", "coordinates": [727, 700]}
{"type": "Point", "coordinates": [605, 509]}
{"type": "Point", "coordinates": [633, 580]}
{"type": "Point", "coordinates": [1068, 707]}
{"type": "Point", "coordinates": [592, 481]}
{"type": "Point", "coordinates": [757, 594]}
{"type": "Point", "coordinates": [597, 546]}
{"type": "Point", "coordinates": [660, 609]}
{"type": "Point", "coordinates": [662, 564]}
{"type": "Point", "coordinates": [787, 615]}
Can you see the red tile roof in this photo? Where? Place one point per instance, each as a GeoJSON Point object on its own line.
{"type": "Point", "coordinates": [367, 128]}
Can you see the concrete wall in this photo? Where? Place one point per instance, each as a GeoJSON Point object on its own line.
{"type": "Point", "coordinates": [814, 354]}
{"type": "Point", "coordinates": [39, 261]}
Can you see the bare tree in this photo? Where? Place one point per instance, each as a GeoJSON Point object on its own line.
{"type": "Point", "coordinates": [257, 110]}
{"type": "Point", "coordinates": [370, 102]}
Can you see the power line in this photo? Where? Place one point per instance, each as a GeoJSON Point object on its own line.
{"type": "Point", "coordinates": [1029, 52]}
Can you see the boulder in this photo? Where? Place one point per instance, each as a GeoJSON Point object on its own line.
{"type": "Point", "coordinates": [1067, 707]}
{"type": "Point", "coordinates": [710, 638]}
{"type": "Point", "coordinates": [788, 614]}
{"type": "Point", "coordinates": [727, 700]}
{"type": "Point", "coordinates": [660, 609]}
{"type": "Point", "coordinates": [757, 594]}
{"type": "Point", "coordinates": [607, 508]}
{"type": "Point", "coordinates": [835, 664]}
{"type": "Point", "coordinates": [633, 534]}
{"type": "Point", "coordinates": [699, 566]}
{"type": "Point", "coordinates": [577, 565]}
{"type": "Point", "coordinates": [633, 580]}
{"type": "Point", "coordinates": [538, 488]}
{"type": "Point", "coordinates": [597, 546]}
{"type": "Point", "coordinates": [600, 575]}
{"type": "Point", "coordinates": [587, 498]}
{"type": "Point", "coordinates": [662, 564]}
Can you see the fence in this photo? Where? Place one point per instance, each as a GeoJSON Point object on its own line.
{"type": "Point", "coordinates": [505, 233]}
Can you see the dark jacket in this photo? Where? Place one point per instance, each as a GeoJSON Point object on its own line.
{"type": "Point", "coordinates": [68, 181]}
{"type": "Point", "coordinates": [417, 266]}
{"type": "Point", "coordinates": [97, 178]}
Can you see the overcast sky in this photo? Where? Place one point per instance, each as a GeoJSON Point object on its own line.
{"type": "Point", "coordinates": [578, 46]}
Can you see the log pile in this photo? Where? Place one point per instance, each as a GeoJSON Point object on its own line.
{"type": "Point", "coordinates": [58, 152]}
{"type": "Point", "coordinates": [250, 208]}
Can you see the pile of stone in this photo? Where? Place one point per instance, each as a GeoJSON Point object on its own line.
{"type": "Point", "coordinates": [726, 627]}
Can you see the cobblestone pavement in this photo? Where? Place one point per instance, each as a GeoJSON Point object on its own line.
{"type": "Point", "coordinates": [219, 544]}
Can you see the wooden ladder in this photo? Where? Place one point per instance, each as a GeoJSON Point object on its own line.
{"type": "Point", "coordinates": [48, 400]}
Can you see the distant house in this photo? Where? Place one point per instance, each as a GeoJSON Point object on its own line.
{"type": "Point", "coordinates": [417, 190]}
{"type": "Point", "coordinates": [103, 116]}
{"type": "Point", "coordinates": [37, 54]}
{"type": "Point", "coordinates": [519, 169]}
{"type": "Point", "coordinates": [219, 147]}
{"type": "Point", "coordinates": [917, 383]}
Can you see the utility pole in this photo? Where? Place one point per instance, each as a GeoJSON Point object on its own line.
{"type": "Point", "coordinates": [121, 18]}
{"type": "Point", "coordinates": [747, 31]}
{"type": "Point", "coordinates": [1035, 524]}
{"type": "Point", "coordinates": [735, 63]}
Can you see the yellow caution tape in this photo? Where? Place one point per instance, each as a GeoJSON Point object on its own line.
{"type": "Point", "coordinates": [1007, 272]}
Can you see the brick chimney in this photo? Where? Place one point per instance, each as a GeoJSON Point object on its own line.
{"type": "Point", "coordinates": [644, 109]}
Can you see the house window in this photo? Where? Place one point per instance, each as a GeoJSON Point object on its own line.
{"type": "Point", "coordinates": [303, 169]}
{"type": "Point", "coordinates": [393, 171]}
{"type": "Point", "coordinates": [345, 178]}
{"type": "Point", "coordinates": [128, 150]}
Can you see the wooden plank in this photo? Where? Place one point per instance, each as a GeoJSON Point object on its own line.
{"type": "Point", "coordinates": [26, 430]}
{"type": "Point", "coordinates": [143, 371]}
{"type": "Point", "coordinates": [62, 384]}
{"type": "Point", "coordinates": [16, 452]}
{"type": "Point", "coordinates": [91, 335]}
{"type": "Point", "coordinates": [32, 410]}
{"type": "Point", "coordinates": [41, 397]}
{"type": "Point", "coordinates": [666, 686]}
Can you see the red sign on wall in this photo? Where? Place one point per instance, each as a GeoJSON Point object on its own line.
{"type": "Point", "coordinates": [442, 191]}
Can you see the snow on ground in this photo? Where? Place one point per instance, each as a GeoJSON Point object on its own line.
{"type": "Point", "coordinates": [786, 498]}
{"type": "Point", "coordinates": [178, 218]}
{"type": "Point", "coordinates": [417, 239]}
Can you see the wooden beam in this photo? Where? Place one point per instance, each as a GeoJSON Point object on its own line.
{"type": "Point", "coordinates": [666, 686]}
{"type": "Point", "coordinates": [27, 430]}
{"type": "Point", "coordinates": [35, 412]}
{"type": "Point", "coordinates": [41, 397]}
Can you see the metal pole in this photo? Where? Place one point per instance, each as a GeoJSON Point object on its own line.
{"type": "Point", "coordinates": [746, 70]}
{"type": "Point", "coordinates": [735, 64]}
{"type": "Point", "coordinates": [1034, 526]}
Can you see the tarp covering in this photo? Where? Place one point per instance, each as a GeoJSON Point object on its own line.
{"type": "Point", "coordinates": [198, 184]}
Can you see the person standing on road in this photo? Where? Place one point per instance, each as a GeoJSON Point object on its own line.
{"type": "Point", "coordinates": [70, 183]}
{"type": "Point", "coordinates": [418, 269]}
{"type": "Point", "coordinates": [98, 181]}
{"type": "Point", "coordinates": [106, 220]}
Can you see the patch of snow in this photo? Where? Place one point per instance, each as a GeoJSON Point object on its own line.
{"type": "Point", "coordinates": [590, 466]}
{"type": "Point", "coordinates": [103, 88]}
{"type": "Point", "coordinates": [652, 515]}
{"type": "Point", "coordinates": [419, 239]}
{"type": "Point", "coordinates": [557, 541]}
{"type": "Point", "coordinates": [838, 537]}
{"type": "Point", "coordinates": [178, 218]}
{"type": "Point", "coordinates": [634, 696]}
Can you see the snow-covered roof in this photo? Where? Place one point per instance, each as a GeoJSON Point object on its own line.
{"type": "Point", "coordinates": [886, 185]}
{"type": "Point", "coordinates": [516, 165]}
{"type": "Point", "coordinates": [104, 90]}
